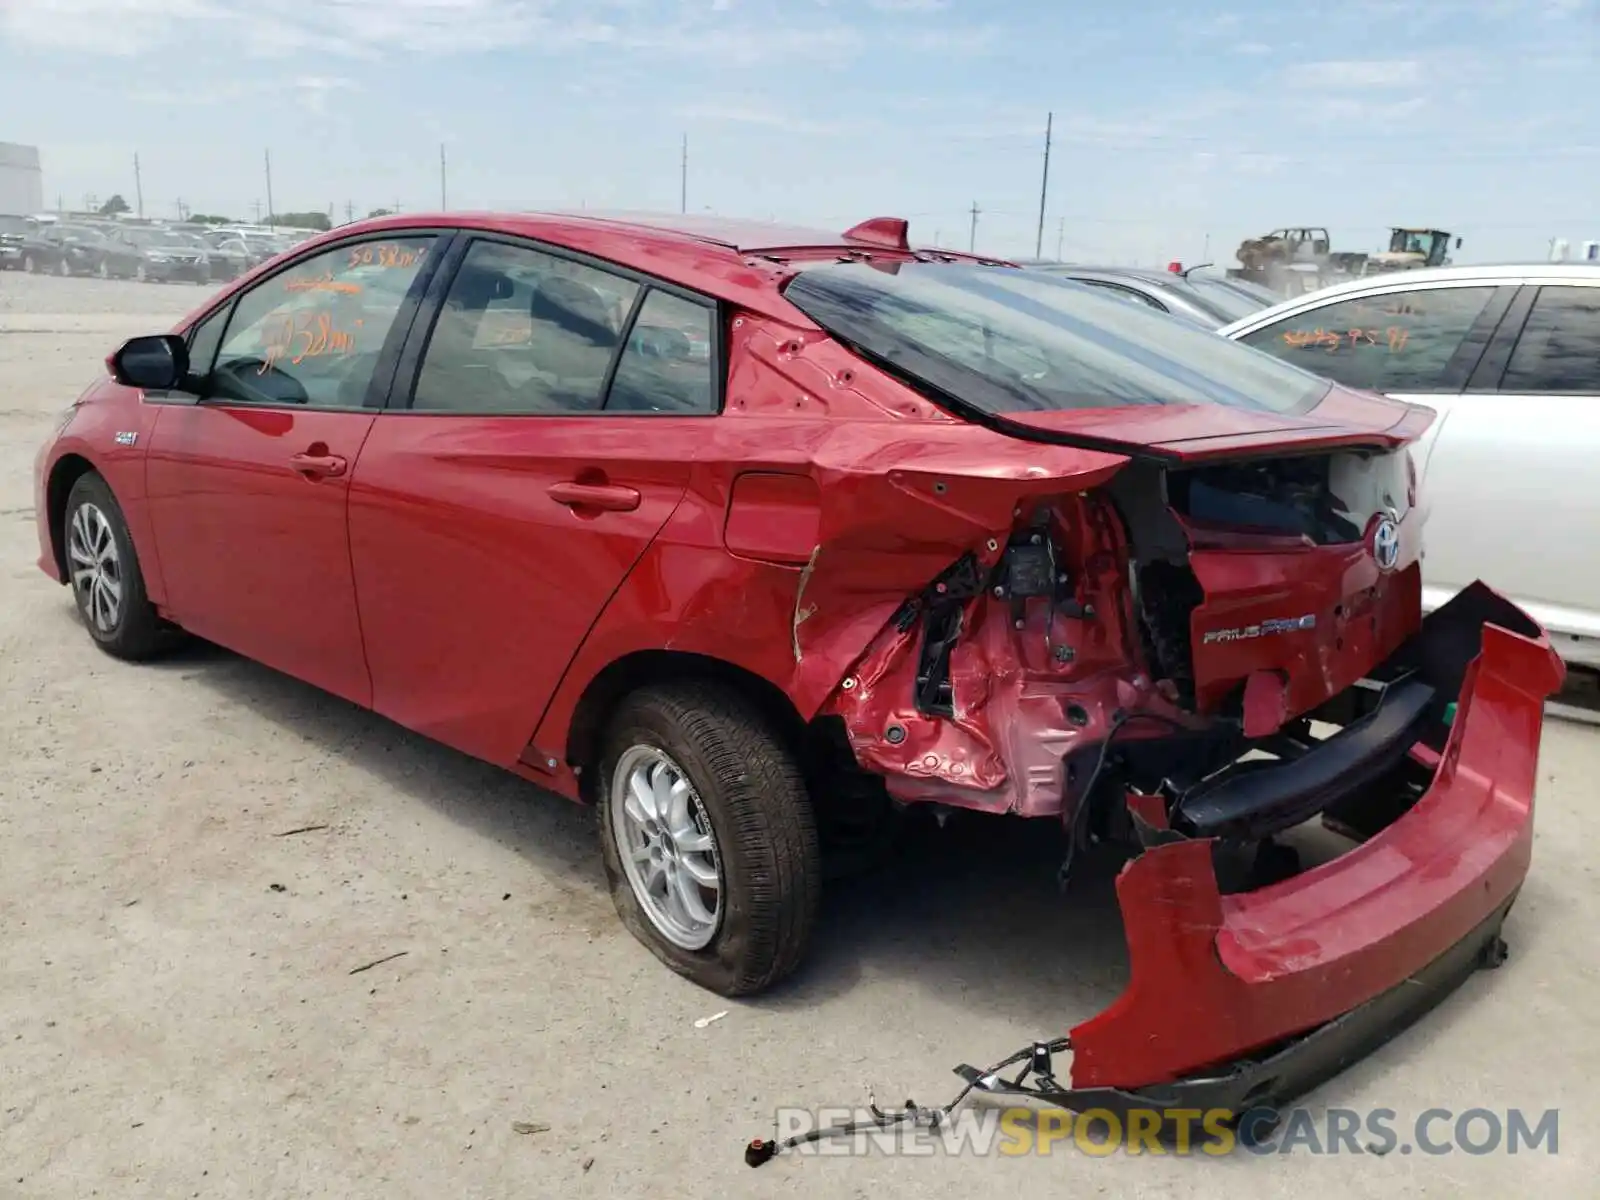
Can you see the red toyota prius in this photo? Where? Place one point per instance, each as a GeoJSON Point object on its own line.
{"type": "Point", "coordinates": [750, 536]}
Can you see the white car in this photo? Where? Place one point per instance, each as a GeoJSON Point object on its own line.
{"type": "Point", "coordinates": [1509, 357]}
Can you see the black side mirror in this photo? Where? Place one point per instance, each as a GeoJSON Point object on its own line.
{"type": "Point", "coordinates": [157, 363]}
{"type": "Point", "coordinates": [1458, 243]}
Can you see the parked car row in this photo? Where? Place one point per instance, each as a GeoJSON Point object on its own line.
{"type": "Point", "coordinates": [148, 252]}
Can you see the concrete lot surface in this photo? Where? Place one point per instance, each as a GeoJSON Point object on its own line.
{"type": "Point", "coordinates": [179, 1017]}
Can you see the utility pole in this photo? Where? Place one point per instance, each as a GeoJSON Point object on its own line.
{"type": "Point", "coordinates": [349, 211]}
{"type": "Point", "coordinates": [1061, 237]}
{"type": "Point", "coordinates": [1044, 185]}
{"type": "Point", "coordinates": [443, 203]}
{"type": "Point", "coordinates": [268, 160]}
{"type": "Point", "coordinates": [1206, 255]}
{"type": "Point", "coordinates": [972, 240]}
{"type": "Point", "coordinates": [936, 234]}
{"type": "Point", "coordinates": [138, 185]}
{"type": "Point", "coordinates": [683, 178]}
{"type": "Point", "coordinates": [256, 205]}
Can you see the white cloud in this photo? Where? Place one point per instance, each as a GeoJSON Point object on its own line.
{"type": "Point", "coordinates": [735, 111]}
{"type": "Point", "coordinates": [315, 89]}
{"type": "Point", "coordinates": [1357, 73]}
{"type": "Point", "coordinates": [373, 28]}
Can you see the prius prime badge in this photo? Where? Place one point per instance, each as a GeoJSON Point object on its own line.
{"type": "Point", "coordinates": [1386, 541]}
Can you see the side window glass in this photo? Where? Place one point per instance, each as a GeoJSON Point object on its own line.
{"type": "Point", "coordinates": [522, 331]}
{"type": "Point", "coordinates": [311, 335]}
{"type": "Point", "coordinates": [1398, 342]}
{"type": "Point", "coordinates": [667, 365]}
{"type": "Point", "coordinates": [1559, 350]}
{"type": "Point", "coordinates": [205, 341]}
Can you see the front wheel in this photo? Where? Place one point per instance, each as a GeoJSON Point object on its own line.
{"type": "Point", "coordinates": [708, 837]}
{"type": "Point", "coordinates": [106, 580]}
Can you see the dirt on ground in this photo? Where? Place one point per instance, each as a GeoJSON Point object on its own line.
{"type": "Point", "coordinates": [186, 1006]}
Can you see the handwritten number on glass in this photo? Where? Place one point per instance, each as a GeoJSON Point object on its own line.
{"type": "Point", "coordinates": [1394, 338]}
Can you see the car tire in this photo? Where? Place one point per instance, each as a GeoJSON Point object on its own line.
{"type": "Point", "coordinates": [96, 545]}
{"type": "Point", "coordinates": [747, 792]}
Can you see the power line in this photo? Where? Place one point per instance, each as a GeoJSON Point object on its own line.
{"type": "Point", "coordinates": [1044, 185]}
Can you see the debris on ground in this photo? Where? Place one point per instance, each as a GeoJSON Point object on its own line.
{"type": "Point", "coordinates": [379, 962]}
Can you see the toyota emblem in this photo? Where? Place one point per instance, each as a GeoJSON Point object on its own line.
{"type": "Point", "coordinates": [1386, 542]}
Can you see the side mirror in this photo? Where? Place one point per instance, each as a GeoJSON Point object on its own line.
{"type": "Point", "coordinates": [157, 363]}
{"type": "Point", "coordinates": [1458, 243]}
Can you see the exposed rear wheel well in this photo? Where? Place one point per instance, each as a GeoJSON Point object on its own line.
{"type": "Point", "coordinates": [646, 667]}
{"type": "Point", "coordinates": [68, 470]}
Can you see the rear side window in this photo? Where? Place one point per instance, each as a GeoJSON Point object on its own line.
{"type": "Point", "coordinates": [1559, 350]}
{"type": "Point", "coordinates": [1002, 340]}
{"type": "Point", "coordinates": [1397, 342]}
{"type": "Point", "coordinates": [667, 364]}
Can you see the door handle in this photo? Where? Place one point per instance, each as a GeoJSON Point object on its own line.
{"type": "Point", "coordinates": [607, 497]}
{"type": "Point", "coordinates": [318, 466]}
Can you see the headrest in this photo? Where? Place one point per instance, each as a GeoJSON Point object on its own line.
{"type": "Point", "coordinates": [573, 306]}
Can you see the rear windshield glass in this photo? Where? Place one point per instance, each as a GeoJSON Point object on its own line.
{"type": "Point", "coordinates": [1003, 340]}
{"type": "Point", "coordinates": [1232, 304]}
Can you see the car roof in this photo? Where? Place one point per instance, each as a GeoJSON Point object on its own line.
{"type": "Point", "coordinates": [1145, 274]}
{"type": "Point", "coordinates": [742, 261]}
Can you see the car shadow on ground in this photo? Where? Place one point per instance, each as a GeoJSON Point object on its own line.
{"type": "Point", "coordinates": [970, 911]}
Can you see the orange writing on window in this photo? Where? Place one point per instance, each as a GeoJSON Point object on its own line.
{"type": "Point", "coordinates": [386, 254]}
{"type": "Point", "coordinates": [312, 335]}
{"type": "Point", "coordinates": [1394, 338]}
{"type": "Point", "coordinates": [323, 283]}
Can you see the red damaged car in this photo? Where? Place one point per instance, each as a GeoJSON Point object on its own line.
{"type": "Point", "coordinates": [746, 535]}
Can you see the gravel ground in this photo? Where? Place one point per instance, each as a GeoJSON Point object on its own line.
{"type": "Point", "coordinates": [179, 1016]}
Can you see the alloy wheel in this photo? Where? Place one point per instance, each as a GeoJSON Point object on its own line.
{"type": "Point", "coordinates": [96, 567]}
{"type": "Point", "coordinates": [667, 847]}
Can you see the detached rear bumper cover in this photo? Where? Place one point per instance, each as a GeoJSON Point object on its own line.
{"type": "Point", "coordinates": [1257, 997]}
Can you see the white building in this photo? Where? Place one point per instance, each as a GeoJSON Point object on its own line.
{"type": "Point", "coordinates": [21, 180]}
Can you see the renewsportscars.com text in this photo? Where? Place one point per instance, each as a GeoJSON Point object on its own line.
{"type": "Point", "coordinates": [1014, 1132]}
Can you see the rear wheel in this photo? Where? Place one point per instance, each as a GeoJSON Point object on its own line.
{"type": "Point", "coordinates": [103, 568]}
{"type": "Point", "coordinates": [708, 837]}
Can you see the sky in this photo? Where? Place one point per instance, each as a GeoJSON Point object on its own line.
{"type": "Point", "coordinates": [1177, 129]}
